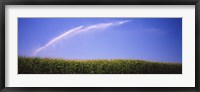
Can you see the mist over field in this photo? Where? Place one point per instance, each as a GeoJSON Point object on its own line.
{"type": "Point", "coordinates": [100, 45]}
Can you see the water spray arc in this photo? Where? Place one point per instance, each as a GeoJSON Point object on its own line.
{"type": "Point", "coordinates": [79, 30]}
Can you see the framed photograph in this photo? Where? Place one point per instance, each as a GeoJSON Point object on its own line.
{"type": "Point", "coordinates": [107, 45]}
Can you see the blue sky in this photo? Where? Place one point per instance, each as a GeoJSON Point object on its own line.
{"type": "Point", "coordinates": [155, 39]}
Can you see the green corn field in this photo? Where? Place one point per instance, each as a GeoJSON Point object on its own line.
{"type": "Point", "coordinates": [33, 65]}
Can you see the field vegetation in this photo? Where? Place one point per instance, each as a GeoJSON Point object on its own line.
{"type": "Point", "coordinates": [34, 65]}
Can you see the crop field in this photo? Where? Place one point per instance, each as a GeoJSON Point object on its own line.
{"type": "Point", "coordinates": [29, 65]}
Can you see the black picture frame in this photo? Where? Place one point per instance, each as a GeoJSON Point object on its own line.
{"type": "Point", "coordinates": [3, 3]}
